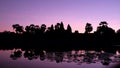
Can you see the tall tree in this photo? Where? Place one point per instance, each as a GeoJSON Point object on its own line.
{"type": "Point", "coordinates": [103, 29]}
{"type": "Point", "coordinates": [57, 26]}
{"type": "Point", "coordinates": [43, 28]}
{"type": "Point", "coordinates": [88, 28]}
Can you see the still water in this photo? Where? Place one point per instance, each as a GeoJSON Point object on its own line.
{"type": "Point", "coordinates": [36, 58]}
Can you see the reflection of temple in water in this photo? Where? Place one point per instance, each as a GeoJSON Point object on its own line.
{"type": "Point", "coordinates": [79, 57]}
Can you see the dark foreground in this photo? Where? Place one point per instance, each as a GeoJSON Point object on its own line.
{"type": "Point", "coordinates": [57, 37]}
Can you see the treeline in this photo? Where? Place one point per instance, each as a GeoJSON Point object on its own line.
{"type": "Point", "coordinates": [56, 36]}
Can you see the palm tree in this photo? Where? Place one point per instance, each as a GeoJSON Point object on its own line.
{"type": "Point", "coordinates": [88, 28]}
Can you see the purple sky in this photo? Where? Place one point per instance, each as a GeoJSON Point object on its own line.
{"type": "Point", "coordinates": [74, 12]}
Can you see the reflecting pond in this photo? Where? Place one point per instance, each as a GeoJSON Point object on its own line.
{"type": "Point", "coordinates": [36, 58]}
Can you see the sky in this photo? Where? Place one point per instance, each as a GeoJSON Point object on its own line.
{"type": "Point", "coordinates": [74, 12]}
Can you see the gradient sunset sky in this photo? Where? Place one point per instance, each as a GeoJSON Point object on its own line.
{"type": "Point", "coordinates": [74, 12]}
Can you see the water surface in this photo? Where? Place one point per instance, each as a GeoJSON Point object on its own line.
{"type": "Point", "coordinates": [36, 58]}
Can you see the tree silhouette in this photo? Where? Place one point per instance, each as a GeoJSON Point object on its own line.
{"type": "Point", "coordinates": [43, 28]}
{"type": "Point", "coordinates": [88, 28]}
{"type": "Point", "coordinates": [103, 29]}
{"type": "Point", "coordinates": [50, 29]}
{"type": "Point", "coordinates": [33, 28]}
{"type": "Point", "coordinates": [118, 31]}
{"type": "Point", "coordinates": [30, 29]}
{"type": "Point", "coordinates": [27, 28]}
{"type": "Point", "coordinates": [103, 23]}
{"type": "Point", "coordinates": [18, 28]}
{"type": "Point", "coordinates": [57, 26]}
{"type": "Point", "coordinates": [37, 29]}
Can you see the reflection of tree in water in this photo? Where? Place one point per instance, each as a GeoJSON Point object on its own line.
{"type": "Point", "coordinates": [31, 54]}
{"type": "Point", "coordinates": [42, 55]}
{"type": "Point", "coordinates": [58, 57]}
{"type": "Point", "coordinates": [89, 58]}
{"type": "Point", "coordinates": [16, 54]}
{"type": "Point", "coordinates": [50, 56]}
{"type": "Point", "coordinates": [78, 57]}
{"type": "Point", "coordinates": [105, 58]}
{"type": "Point", "coordinates": [106, 61]}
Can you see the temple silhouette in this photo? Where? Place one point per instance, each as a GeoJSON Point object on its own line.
{"type": "Point", "coordinates": [57, 37]}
